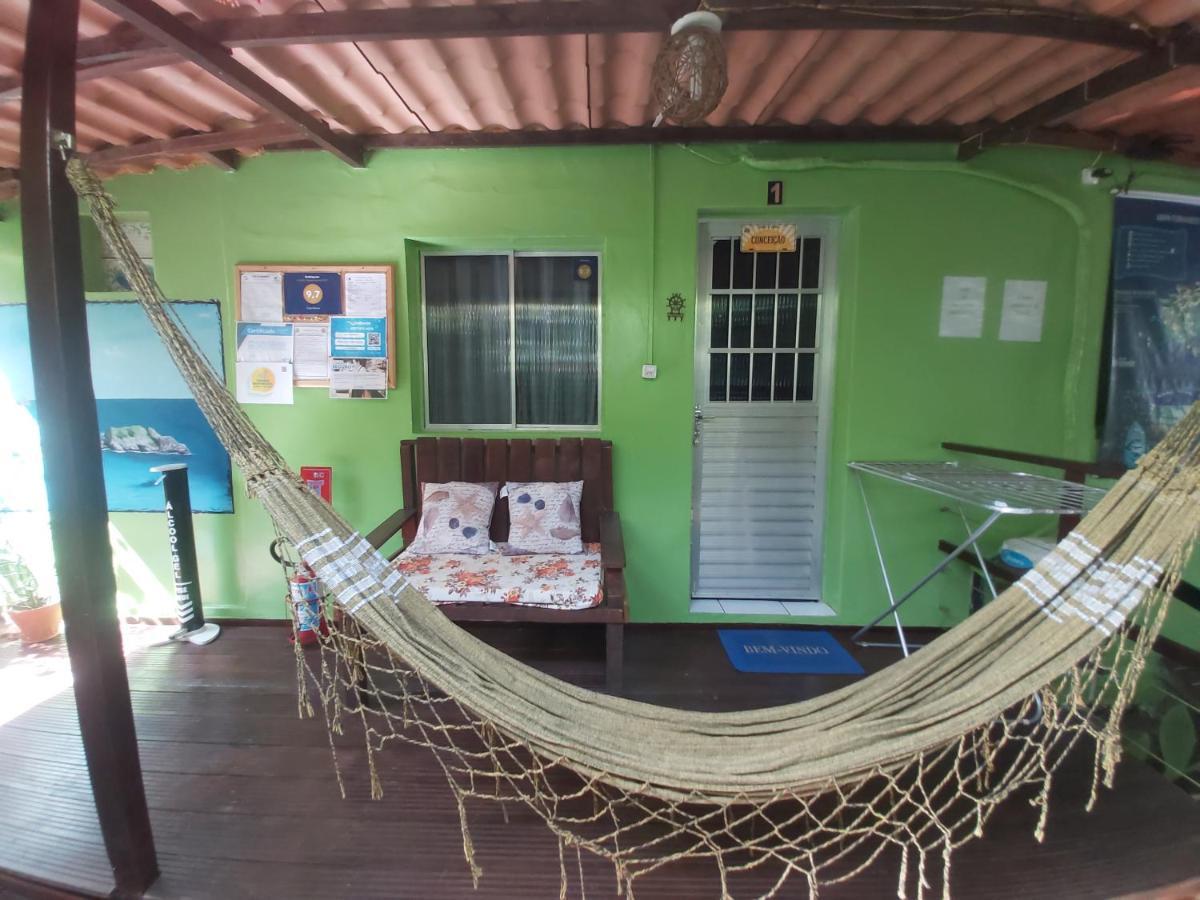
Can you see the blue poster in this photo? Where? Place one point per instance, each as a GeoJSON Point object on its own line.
{"type": "Point", "coordinates": [351, 337]}
{"type": "Point", "coordinates": [1153, 335]}
{"type": "Point", "coordinates": [312, 294]}
{"type": "Point", "coordinates": [146, 413]}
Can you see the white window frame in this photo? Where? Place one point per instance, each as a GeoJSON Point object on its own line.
{"type": "Point", "coordinates": [512, 256]}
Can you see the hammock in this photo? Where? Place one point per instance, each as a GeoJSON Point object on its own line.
{"type": "Point", "coordinates": [913, 758]}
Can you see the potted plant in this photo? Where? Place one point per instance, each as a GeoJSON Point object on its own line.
{"type": "Point", "coordinates": [36, 615]}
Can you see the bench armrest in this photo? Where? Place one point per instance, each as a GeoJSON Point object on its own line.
{"type": "Point", "coordinates": [612, 544]}
{"type": "Point", "coordinates": [390, 526]}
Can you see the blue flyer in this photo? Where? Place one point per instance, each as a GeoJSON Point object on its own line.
{"type": "Point", "coordinates": [312, 294]}
{"type": "Point", "coordinates": [353, 337]}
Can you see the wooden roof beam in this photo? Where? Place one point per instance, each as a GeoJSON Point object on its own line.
{"type": "Point", "coordinates": [554, 17]}
{"type": "Point", "coordinates": [225, 160]}
{"type": "Point", "coordinates": [1182, 49]}
{"type": "Point", "coordinates": [282, 137]}
{"type": "Point", "coordinates": [199, 144]}
{"type": "Point", "coordinates": [125, 49]}
{"type": "Point", "coordinates": [216, 147]}
{"type": "Point", "coordinates": [212, 56]}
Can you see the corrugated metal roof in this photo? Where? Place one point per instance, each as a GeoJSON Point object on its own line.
{"type": "Point", "coordinates": [603, 80]}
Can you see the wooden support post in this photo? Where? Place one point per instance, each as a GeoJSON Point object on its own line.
{"type": "Point", "coordinates": [66, 408]}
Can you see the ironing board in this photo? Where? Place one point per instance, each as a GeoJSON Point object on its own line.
{"type": "Point", "coordinates": [997, 492]}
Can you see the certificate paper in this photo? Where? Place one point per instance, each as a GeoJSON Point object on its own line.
{"type": "Point", "coordinates": [1023, 311]}
{"type": "Point", "coordinates": [262, 296]}
{"type": "Point", "coordinates": [351, 337]}
{"type": "Point", "coordinates": [962, 307]}
{"type": "Point", "coordinates": [264, 382]}
{"type": "Point", "coordinates": [312, 294]}
{"type": "Point", "coordinates": [264, 342]}
{"type": "Point", "coordinates": [311, 350]}
{"type": "Point", "coordinates": [366, 294]}
{"type": "Point", "coordinates": [358, 379]}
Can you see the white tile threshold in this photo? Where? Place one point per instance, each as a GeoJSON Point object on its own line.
{"type": "Point", "coordinates": [803, 608]}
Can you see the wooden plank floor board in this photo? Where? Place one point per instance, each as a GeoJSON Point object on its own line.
{"type": "Point", "coordinates": [245, 804]}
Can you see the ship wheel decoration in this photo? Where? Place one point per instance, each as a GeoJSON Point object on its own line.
{"type": "Point", "coordinates": [675, 304]}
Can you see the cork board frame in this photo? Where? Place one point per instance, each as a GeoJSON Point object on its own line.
{"type": "Point", "coordinates": [341, 271]}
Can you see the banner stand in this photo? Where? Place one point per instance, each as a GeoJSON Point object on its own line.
{"type": "Point", "coordinates": [192, 627]}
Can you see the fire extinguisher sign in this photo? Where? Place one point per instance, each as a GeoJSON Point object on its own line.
{"type": "Point", "coordinates": [319, 480]}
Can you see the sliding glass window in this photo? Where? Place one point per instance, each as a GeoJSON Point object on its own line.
{"type": "Point", "coordinates": [512, 340]}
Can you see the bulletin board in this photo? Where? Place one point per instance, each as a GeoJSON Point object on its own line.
{"type": "Point", "coordinates": [319, 304]}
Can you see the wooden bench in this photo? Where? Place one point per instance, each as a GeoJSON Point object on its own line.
{"type": "Point", "coordinates": [430, 459]}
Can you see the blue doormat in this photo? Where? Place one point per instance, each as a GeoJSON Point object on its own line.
{"type": "Point", "coordinates": [787, 650]}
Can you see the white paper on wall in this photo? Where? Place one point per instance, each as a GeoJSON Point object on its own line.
{"type": "Point", "coordinates": [366, 294]}
{"type": "Point", "coordinates": [358, 379]}
{"type": "Point", "coordinates": [264, 342]}
{"type": "Point", "coordinates": [264, 382]}
{"type": "Point", "coordinates": [262, 296]}
{"type": "Point", "coordinates": [311, 350]}
{"type": "Point", "coordinates": [962, 307]}
{"type": "Point", "coordinates": [1024, 311]}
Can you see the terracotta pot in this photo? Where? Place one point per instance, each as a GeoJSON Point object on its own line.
{"type": "Point", "coordinates": [37, 625]}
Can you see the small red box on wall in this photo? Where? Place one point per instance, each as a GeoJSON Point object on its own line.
{"type": "Point", "coordinates": [319, 480]}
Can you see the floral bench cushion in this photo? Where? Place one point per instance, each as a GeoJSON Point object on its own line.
{"type": "Point", "coordinates": [543, 579]}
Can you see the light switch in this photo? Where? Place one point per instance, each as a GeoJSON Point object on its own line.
{"type": "Point", "coordinates": [649, 372]}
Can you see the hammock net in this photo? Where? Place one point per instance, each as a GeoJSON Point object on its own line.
{"type": "Point", "coordinates": [913, 759]}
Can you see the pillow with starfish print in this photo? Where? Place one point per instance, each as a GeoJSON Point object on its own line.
{"type": "Point", "coordinates": [544, 517]}
{"type": "Point", "coordinates": [455, 517]}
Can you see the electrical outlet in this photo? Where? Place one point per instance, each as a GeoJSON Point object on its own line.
{"type": "Point", "coordinates": [649, 372]}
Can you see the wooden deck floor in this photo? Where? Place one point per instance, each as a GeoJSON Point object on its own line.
{"type": "Point", "coordinates": [244, 802]}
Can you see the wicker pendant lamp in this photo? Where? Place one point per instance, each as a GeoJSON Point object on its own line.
{"type": "Point", "coordinates": [689, 77]}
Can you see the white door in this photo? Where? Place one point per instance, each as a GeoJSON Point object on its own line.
{"type": "Point", "coordinates": [764, 358]}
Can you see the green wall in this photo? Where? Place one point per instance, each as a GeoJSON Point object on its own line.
{"type": "Point", "coordinates": [909, 214]}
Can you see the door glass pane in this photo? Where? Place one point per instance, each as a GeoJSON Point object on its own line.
{"type": "Point", "coordinates": [785, 375]}
{"type": "Point", "coordinates": [764, 269]}
{"type": "Point", "coordinates": [764, 320]}
{"type": "Point", "coordinates": [804, 376]}
{"type": "Point", "coordinates": [785, 334]}
{"type": "Point", "coordinates": [556, 319]}
{"type": "Point", "coordinates": [720, 322]}
{"type": "Point", "coordinates": [810, 278]}
{"type": "Point", "coordinates": [789, 269]}
{"type": "Point", "coordinates": [718, 364]}
{"type": "Point", "coordinates": [743, 268]}
{"type": "Point", "coordinates": [808, 320]}
{"type": "Point", "coordinates": [466, 330]}
{"type": "Point", "coordinates": [721, 264]}
{"type": "Point", "coordinates": [739, 376]}
{"type": "Point", "coordinates": [760, 387]}
{"type": "Point", "coordinates": [740, 332]}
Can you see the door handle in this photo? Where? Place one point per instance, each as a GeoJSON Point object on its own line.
{"type": "Point", "coordinates": [697, 418]}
